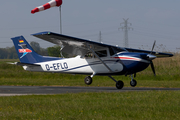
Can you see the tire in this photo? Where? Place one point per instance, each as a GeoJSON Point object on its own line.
{"type": "Point", "coordinates": [119, 84]}
{"type": "Point", "coordinates": [133, 83]}
{"type": "Point", "coordinates": [88, 80]}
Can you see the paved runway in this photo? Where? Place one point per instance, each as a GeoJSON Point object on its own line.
{"type": "Point", "coordinates": [36, 90]}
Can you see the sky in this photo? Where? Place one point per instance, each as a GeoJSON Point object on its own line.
{"type": "Point", "coordinates": [150, 19]}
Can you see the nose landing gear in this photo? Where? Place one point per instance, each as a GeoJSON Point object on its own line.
{"type": "Point", "coordinates": [133, 82]}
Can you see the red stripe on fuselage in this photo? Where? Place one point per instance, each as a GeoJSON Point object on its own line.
{"type": "Point", "coordinates": [127, 58]}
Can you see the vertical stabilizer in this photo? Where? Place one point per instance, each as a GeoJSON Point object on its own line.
{"type": "Point", "coordinates": [25, 52]}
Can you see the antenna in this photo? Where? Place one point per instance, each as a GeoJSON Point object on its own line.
{"type": "Point", "coordinates": [60, 19]}
{"type": "Point", "coordinates": [126, 28]}
{"type": "Point", "coordinates": [100, 37]}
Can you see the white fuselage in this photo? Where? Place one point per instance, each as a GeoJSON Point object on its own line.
{"type": "Point", "coordinates": [78, 65]}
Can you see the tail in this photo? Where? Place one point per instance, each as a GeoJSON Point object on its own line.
{"type": "Point", "coordinates": [25, 52]}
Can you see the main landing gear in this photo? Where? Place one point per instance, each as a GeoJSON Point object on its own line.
{"type": "Point", "coordinates": [88, 80]}
{"type": "Point", "coordinates": [119, 84]}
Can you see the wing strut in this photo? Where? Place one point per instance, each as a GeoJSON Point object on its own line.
{"type": "Point", "coordinates": [100, 59]}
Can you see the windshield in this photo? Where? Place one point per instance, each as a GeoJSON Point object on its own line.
{"type": "Point", "coordinates": [114, 50]}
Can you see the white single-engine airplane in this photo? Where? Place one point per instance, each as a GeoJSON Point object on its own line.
{"type": "Point", "coordinates": [86, 57]}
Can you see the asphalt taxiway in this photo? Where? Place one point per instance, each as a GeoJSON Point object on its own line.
{"type": "Point", "coordinates": [44, 90]}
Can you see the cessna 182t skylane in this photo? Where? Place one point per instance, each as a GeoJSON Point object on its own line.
{"type": "Point", "coordinates": [86, 57]}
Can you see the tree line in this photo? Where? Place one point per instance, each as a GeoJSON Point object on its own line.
{"type": "Point", "coordinates": [10, 52]}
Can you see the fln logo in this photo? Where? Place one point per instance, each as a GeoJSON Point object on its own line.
{"type": "Point", "coordinates": [24, 51]}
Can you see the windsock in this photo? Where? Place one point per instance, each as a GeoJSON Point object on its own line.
{"type": "Point", "coordinates": [52, 3]}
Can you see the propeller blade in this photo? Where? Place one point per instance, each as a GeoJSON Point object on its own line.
{"type": "Point", "coordinates": [152, 67]}
{"type": "Point", "coordinates": [153, 46]}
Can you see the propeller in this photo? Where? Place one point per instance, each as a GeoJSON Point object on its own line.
{"type": "Point", "coordinates": [152, 67]}
{"type": "Point", "coordinates": [153, 46]}
{"type": "Point", "coordinates": [151, 57]}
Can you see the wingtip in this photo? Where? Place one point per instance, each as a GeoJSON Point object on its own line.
{"type": "Point", "coordinates": [41, 33]}
{"type": "Point", "coordinates": [171, 55]}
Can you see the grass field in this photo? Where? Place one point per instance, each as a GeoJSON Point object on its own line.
{"type": "Point", "coordinates": [147, 105]}
{"type": "Point", "coordinates": [151, 105]}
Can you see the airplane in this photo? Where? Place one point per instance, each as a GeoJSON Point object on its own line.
{"type": "Point", "coordinates": [87, 57]}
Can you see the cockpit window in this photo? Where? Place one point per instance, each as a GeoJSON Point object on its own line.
{"type": "Point", "coordinates": [102, 53]}
{"type": "Point", "coordinates": [114, 50]}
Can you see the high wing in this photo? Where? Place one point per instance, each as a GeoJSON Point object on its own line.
{"type": "Point", "coordinates": [71, 46]}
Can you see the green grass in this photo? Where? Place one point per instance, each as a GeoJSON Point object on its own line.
{"type": "Point", "coordinates": [149, 105]}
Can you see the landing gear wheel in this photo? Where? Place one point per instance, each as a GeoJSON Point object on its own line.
{"type": "Point", "coordinates": [119, 84]}
{"type": "Point", "coordinates": [88, 80]}
{"type": "Point", "coordinates": [133, 83]}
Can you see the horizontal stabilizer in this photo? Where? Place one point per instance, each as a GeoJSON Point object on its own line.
{"type": "Point", "coordinates": [24, 64]}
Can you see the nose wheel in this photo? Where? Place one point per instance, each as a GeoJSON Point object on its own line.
{"type": "Point", "coordinates": [133, 82]}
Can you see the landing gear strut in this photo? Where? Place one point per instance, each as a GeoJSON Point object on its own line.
{"type": "Point", "coordinates": [119, 84]}
{"type": "Point", "coordinates": [133, 82]}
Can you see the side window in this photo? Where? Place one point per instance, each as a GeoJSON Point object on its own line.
{"type": "Point", "coordinates": [111, 51]}
{"type": "Point", "coordinates": [102, 53]}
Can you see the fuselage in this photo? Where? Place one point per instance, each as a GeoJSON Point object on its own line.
{"type": "Point", "coordinates": [123, 63]}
